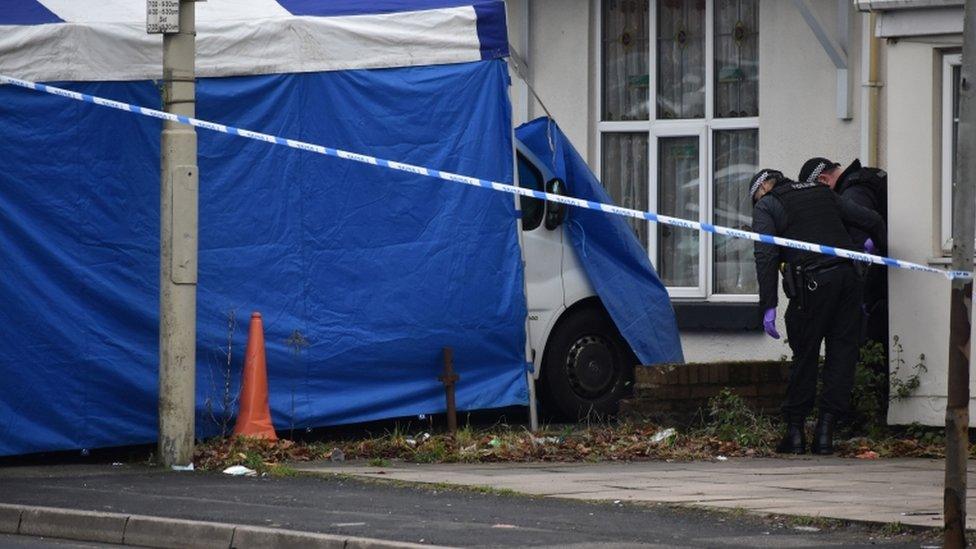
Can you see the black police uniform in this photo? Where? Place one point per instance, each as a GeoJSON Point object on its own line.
{"type": "Point", "coordinates": [826, 302]}
{"type": "Point", "coordinates": [868, 187]}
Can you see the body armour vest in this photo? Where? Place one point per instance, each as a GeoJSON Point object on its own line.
{"type": "Point", "coordinates": [812, 215]}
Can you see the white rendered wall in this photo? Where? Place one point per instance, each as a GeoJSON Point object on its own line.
{"type": "Point", "coordinates": [559, 65]}
{"type": "Point", "coordinates": [798, 90]}
{"type": "Point", "coordinates": [919, 305]}
{"type": "Point", "coordinates": [518, 33]}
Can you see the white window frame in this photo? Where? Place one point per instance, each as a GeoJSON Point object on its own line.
{"type": "Point", "coordinates": [949, 61]}
{"type": "Point", "coordinates": [704, 128]}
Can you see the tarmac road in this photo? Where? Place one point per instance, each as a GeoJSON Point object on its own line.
{"type": "Point", "coordinates": [27, 542]}
{"type": "Point", "coordinates": [404, 513]}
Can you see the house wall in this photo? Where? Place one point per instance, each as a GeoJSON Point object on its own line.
{"type": "Point", "coordinates": [919, 305]}
{"type": "Point", "coordinates": [798, 120]}
{"type": "Point", "coordinates": [558, 53]}
{"type": "Point", "coordinates": [797, 87]}
{"type": "Point", "coordinates": [797, 108]}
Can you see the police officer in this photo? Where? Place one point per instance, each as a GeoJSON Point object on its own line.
{"type": "Point", "coordinates": [824, 293]}
{"type": "Point", "coordinates": [867, 187]}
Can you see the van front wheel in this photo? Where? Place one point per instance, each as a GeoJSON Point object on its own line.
{"type": "Point", "coordinates": [588, 367]}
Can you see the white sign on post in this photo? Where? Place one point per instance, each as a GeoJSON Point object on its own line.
{"type": "Point", "coordinates": [162, 16]}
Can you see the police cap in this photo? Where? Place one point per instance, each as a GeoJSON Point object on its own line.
{"type": "Point", "coordinates": [814, 167]}
{"type": "Point", "coordinates": [762, 175]}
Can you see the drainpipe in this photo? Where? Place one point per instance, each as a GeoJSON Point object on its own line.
{"type": "Point", "coordinates": [870, 89]}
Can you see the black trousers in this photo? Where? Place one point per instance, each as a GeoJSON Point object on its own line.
{"type": "Point", "coordinates": [876, 304]}
{"type": "Point", "coordinates": [831, 312]}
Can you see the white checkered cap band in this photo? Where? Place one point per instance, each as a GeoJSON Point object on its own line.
{"type": "Point", "coordinates": [812, 178]}
{"type": "Point", "coordinates": [759, 181]}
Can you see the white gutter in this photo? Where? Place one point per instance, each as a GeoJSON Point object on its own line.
{"type": "Point", "coordinates": [868, 5]}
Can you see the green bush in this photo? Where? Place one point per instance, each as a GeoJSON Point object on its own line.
{"type": "Point", "coordinates": [869, 403]}
{"type": "Point", "coordinates": [730, 419]}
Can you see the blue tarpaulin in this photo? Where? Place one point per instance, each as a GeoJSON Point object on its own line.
{"type": "Point", "coordinates": [615, 262]}
{"type": "Point", "coordinates": [362, 274]}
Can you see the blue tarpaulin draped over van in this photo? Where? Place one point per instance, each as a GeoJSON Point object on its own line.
{"type": "Point", "coordinates": [615, 262]}
{"type": "Point", "coordinates": [362, 274]}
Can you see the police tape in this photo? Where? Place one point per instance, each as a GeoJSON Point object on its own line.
{"type": "Point", "coordinates": [484, 183]}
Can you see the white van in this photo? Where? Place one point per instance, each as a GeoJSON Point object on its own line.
{"type": "Point", "coordinates": [581, 362]}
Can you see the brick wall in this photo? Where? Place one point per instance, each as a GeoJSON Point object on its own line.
{"type": "Point", "coordinates": [675, 393]}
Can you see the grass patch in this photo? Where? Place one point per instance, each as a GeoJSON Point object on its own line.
{"type": "Point", "coordinates": [892, 529]}
{"type": "Point", "coordinates": [597, 443]}
{"type": "Point", "coordinates": [822, 523]}
{"type": "Point", "coordinates": [732, 430]}
{"type": "Point", "coordinates": [279, 470]}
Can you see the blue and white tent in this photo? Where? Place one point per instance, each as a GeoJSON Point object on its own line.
{"type": "Point", "coordinates": [362, 275]}
{"type": "Point", "coordinates": [106, 40]}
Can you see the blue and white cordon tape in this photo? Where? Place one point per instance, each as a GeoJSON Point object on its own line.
{"type": "Point", "coordinates": [476, 182]}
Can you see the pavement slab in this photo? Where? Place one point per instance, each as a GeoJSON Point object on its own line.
{"type": "Point", "coordinates": [908, 490]}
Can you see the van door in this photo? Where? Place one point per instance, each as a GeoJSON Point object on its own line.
{"type": "Point", "coordinates": [543, 252]}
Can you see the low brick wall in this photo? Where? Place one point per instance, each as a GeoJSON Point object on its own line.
{"type": "Point", "coordinates": [678, 393]}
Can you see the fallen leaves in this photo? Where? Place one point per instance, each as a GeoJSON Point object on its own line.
{"type": "Point", "coordinates": [625, 441]}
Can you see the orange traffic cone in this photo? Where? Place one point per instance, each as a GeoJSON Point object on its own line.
{"type": "Point", "coordinates": [254, 418]}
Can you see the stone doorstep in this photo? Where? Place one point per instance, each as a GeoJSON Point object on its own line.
{"type": "Point", "coordinates": [148, 531]}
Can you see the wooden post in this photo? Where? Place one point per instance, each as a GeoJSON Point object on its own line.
{"type": "Point", "coordinates": [960, 307]}
{"type": "Point", "coordinates": [450, 379]}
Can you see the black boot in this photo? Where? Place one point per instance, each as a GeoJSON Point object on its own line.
{"type": "Point", "coordinates": [794, 440]}
{"type": "Point", "coordinates": [823, 440]}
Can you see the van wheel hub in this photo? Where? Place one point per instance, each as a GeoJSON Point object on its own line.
{"type": "Point", "coordinates": [590, 366]}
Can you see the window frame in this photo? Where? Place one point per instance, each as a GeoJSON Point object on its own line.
{"type": "Point", "coordinates": [949, 61]}
{"type": "Point", "coordinates": [704, 128]}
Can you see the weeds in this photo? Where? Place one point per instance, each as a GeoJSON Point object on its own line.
{"type": "Point", "coordinates": [869, 401]}
{"type": "Point", "coordinates": [278, 470]}
{"type": "Point", "coordinates": [620, 442]}
{"type": "Point", "coordinates": [228, 397]}
{"type": "Point", "coordinates": [822, 523]}
{"type": "Point", "coordinates": [904, 388]}
{"type": "Point", "coordinates": [731, 420]}
{"type": "Point", "coordinates": [892, 529]}
{"type": "Point", "coordinates": [297, 343]}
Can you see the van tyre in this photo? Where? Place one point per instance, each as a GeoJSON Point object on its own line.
{"type": "Point", "coordinates": [588, 368]}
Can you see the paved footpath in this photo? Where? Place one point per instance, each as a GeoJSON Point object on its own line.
{"type": "Point", "coordinates": [182, 507]}
{"type": "Point", "coordinates": [908, 491]}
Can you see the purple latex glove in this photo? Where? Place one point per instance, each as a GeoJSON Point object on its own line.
{"type": "Point", "coordinates": [769, 323]}
{"type": "Point", "coordinates": [869, 246]}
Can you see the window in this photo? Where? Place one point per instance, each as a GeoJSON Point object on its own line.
{"type": "Point", "coordinates": [950, 130]}
{"type": "Point", "coordinates": [532, 208]}
{"type": "Point", "coordinates": [625, 155]}
{"type": "Point", "coordinates": [679, 135]}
